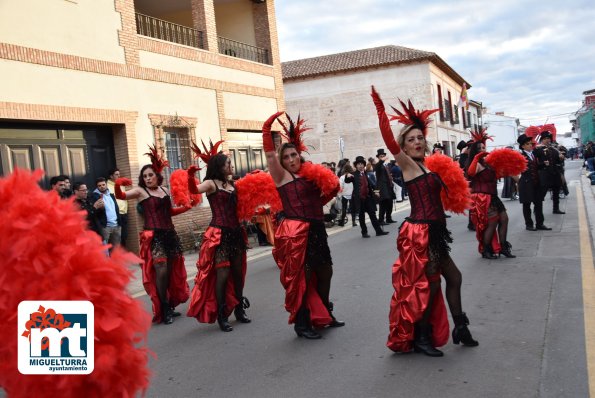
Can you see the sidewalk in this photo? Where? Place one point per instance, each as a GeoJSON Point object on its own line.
{"type": "Point", "coordinates": [135, 287]}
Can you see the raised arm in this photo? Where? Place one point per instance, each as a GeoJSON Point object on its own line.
{"type": "Point", "coordinates": [207, 186]}
{"type": "Point", "coordinates": [275, 169]}
{"type": "Point", "coordinates": [475, 167]}
{"type": "Point", "coordinates": [123, 194]}
{"type": "Point", "coordinates": [387, 132]}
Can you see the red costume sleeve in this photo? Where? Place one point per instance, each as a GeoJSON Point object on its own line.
{"type": "Point", "coordinates": [384, 124]}
{"type": "Point", "coordinates": [255, 190]}
{"type": "Point", "coordinates": [179, 210]}
{"type": "Point", "coordinates": [192, 186]}
{"type": "Point", "coordinates": [456, 197]}
{"type": "Point", "coordinates": [267, 139]}
{"type": "Point", "coordinates": [119, 182]}
{"type": "Point", "coordinates": [506, 162]}
{"type": "Point", "coordinates": [472, 170]}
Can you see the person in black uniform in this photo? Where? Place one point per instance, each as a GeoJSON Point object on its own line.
{"type": "Point", "coordinates": [384, 186]}
{"type": "Point", "coordinates": [363, 198]}
{"type": "Point", "coordinates": [550, 165]}
{"type": "Point", "coordinates": [530, 191]}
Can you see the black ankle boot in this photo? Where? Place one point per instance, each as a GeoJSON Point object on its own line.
{"type": "Point", "coordinates": [303, 327]}
{"type": "Point", "coordinates": [423, 342]}
{"type": "Point", "coordinates": [167, 317]}
{"type": "Point", "coordinates": [334, 323]}
{"type": "Point", "coordinates": [222, 319]}
{"type": "Point", "coordinates": [461, 333]}
{"type": "Point", "coordinates": [488, 253]}
{"type": "Point", "coordinates": [506, 250]}
{"type": "Point", "coordinates": [240, 312]}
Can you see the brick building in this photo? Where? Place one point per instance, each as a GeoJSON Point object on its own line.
{"type": "Point", "coordinates": [87, 85]}
{"type": "Point", "coordinates": [332, 93]}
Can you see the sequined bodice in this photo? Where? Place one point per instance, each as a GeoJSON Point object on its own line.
{"type": "Point", "coordinates": [224, 209]}
{"type": "Point", "coordinates": [301, 200]}
{"type": "Point", "coordinates": [485, 182]}
{"type": "Point", "coordinates": [424, 196]}
{"type": "Point", "coordinates": [157, 212]}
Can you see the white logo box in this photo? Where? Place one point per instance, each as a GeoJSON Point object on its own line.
{"type": "Point", "coordinates": [78, 360]}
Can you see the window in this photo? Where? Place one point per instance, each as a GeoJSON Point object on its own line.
{"type": "Point", "coordinates": [455, 119]}
{"type": "Point", "coordinates": [177, 150]}
{"type": "Point", "coordinates": [440, 103]}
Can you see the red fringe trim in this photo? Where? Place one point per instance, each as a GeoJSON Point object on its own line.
{"type": "Point", "coordinates": [325, 180]}
{"type": "Point", "coordinates": [506, 162]}
{"type": "Point", "coordinates": [41, 260]}
{"type": "Point", "coordinates": [256, 190]}
{"type": "Point", "coordinates": [178, 183]}
{"type": "Point", "coordinates": [457, 196]}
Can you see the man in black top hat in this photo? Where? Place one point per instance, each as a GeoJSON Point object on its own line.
{"type": "Point", "coordinates": [384, 187]}
{"type": "Point", "coordinates": [530, 188]}
{"type": "Point", "coordinates": [438, 148]}
{"type": "Point", "coordinates": [550, 166]}
{"type": "Point", "coordinates": [363, 198]}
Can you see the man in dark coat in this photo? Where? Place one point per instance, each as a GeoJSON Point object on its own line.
{"type": "Point", "coordinates": [550, 166]}
{"type": "Point", "coordinates": [363, 198]}
{"type": "Point", "coordinates": [384, 187]}
{"type": "Point", "coordinates": [529, 187]}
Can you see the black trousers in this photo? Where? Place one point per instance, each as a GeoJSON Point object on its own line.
{"type": "Point", "coordinates": [368, 206]}
{"type": "Point", "coordinates": [537, 209]}
{"type": "Point", "coordinates": [344, 204]}
{"type": "Point", "coordinates": [124, 233]}
{"type": "Point", "coordinates": [385, 210]}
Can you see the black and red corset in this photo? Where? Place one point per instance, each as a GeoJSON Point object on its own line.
{"type": "Point", "coordinates": [424, 196]}
{"type": "Point", "coordinates": [224, 209]}
{"type": "Point", "coordinates": [157, 212]}
{"type": "Point", "coordinates": [301, 200]}
{"type": "Point", "coordinates": [485, 182]}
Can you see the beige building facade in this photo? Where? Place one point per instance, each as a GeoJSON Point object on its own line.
{"type": "Point", "coordinates": [333, 94]}
{"type": "Point", "coordinates": [87, 85]}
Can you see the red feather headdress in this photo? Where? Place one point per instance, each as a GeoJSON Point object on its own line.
{"type": "Point", "coordinates": [481, 136]}
{"type": "Point", "coordinates": [157, 161]}
{"type": "Point", "coordinates": [207, 153]}
{"type": "Point", "coordinates": [412, 117]}
{"type": "Point", "coordinates": [295, 132]}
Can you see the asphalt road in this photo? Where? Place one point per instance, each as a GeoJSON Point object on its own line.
{"type": "Point", "coordinates": [527, 314]}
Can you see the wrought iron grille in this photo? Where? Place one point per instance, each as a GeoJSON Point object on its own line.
{"type": "Point", "coordinates": [168, 31]}
{"type": "Point", "coordinates": [242, 50]}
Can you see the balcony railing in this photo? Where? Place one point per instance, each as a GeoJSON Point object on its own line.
{"type": "Point", "coordinates": [168, 31]}
{"type": "Point", "coordinates": [242, 50]}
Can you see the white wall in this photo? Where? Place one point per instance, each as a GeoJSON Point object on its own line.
{"type": "Point", "coordinates": [503, 129]}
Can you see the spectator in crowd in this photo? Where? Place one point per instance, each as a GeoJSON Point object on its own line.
{"type": "Point", "coordinates": [370, 170]}
{"type": "Point", "coordinates": [82, 200]}
{"type": "Point", "coordinates": [397, 176]}
{"type": "Point", "coordinates": [108, 214]}
{"type": "Point", "coordinates": [589, 156]}
{"type": "Point", "coordinates": [67, 191]}
{"type": "Point", "coordinates": [346, 182]}
{"type": "Point", "coordinates": [114, 174]}
{"type": "Point", "coordinates": [57, 185]}
{"type": "Point", "coordinates": [438, 148]}
{"type": "Point", "coordinates": [563, 155]}
{"type": "Point", "coordinates": [341, 165]}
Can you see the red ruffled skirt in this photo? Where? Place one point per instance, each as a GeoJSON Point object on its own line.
{"type": "Point", "coordinates": [203, 303]}
{"type": "Point", "coordinates": [291, 241]}
{"type": "Point", "coordinates": [412, 291]}
{"type": "Point", "coordinates": [178, 290]}
{"type": "Point", "coordinates": [480, 206]}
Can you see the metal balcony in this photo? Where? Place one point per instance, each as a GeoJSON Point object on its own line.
{"type": "Point", "coordinates": [242, 50]}
{"type": "Point", "coordinates": [168, 31]}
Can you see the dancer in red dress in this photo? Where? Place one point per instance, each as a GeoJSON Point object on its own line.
{"type": "Point", "coordinates": [301, 248]}
{"type": "Point", "coordinates": [223, 249]}
{"type": "Point", "coordinates": [417, 313]}
{"type": "Point", "coordinates": [488, 212]}
{"type": "Point", "coordinates": [164, 273]}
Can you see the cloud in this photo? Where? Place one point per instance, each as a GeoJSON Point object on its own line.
{"type": "Point", "coordinates": [530, 59]}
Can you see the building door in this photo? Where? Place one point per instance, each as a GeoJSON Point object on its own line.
{"type": "Point", "coordinates": [246, 151]}
{"type": "Point", "coordinates": [83, 153]}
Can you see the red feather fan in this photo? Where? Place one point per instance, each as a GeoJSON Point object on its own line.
{"type": "Point", "coordinates": [411, 116]}
{"type": "Point", "coordinates": [506, 162]}
{"type": "Point", "coordinates": [43, 260]}
{"type": "Point", "coordinates": [157, 161]}
{"type": "Point", "coordinates": [178, 183]}
{"type": "Point", "coordinates": [457, 196]}
{"type": "Point", "coordinates": [256, 190]}
{"type": "Point", "coordinates": [325, 180]}
{"type": "Point", "coordinates": [295, 133]}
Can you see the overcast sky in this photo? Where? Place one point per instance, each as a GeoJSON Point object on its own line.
{"type": "Point", "coordinates": [530, 59]}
